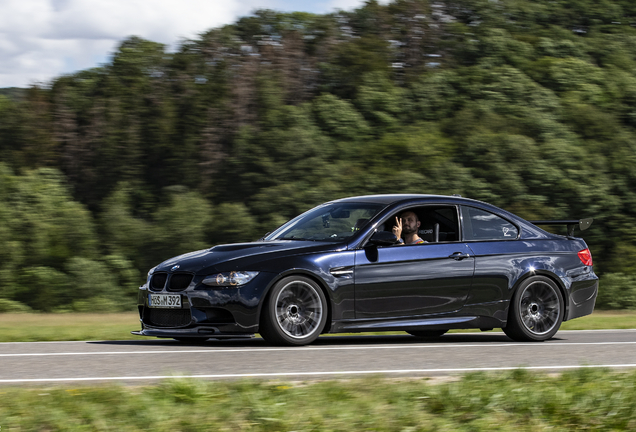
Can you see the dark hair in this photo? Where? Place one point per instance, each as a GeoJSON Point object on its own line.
{"type": "Point", "coordinates": [417, 218]}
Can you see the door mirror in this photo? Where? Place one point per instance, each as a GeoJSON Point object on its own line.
{"type": "Point", "coordinates": [383, 238]}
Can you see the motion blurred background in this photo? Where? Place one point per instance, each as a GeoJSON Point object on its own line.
{"type": "Point", "coordinates": [161, 150]}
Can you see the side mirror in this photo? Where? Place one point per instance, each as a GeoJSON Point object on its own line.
{"type": "Point", "coordinates": [383, 238]}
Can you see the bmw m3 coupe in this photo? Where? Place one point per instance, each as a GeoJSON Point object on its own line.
{"type": "Point", "coordinates": [423, 264]}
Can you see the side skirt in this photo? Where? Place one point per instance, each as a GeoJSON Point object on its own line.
{"type": "Point", "coordinates": [438, 323]}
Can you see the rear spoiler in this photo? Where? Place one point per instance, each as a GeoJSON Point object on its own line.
{"type": "Point", "coordinates": [583, 224]}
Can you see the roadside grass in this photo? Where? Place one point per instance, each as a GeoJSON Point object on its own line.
{"type": "Point", "coordinates": [32, 327]}
{"type": "Point", "coordinates": [603, 320]}
{"type": "Point", "coordinates": [37, 327]}
{"type": "Point", "coordinates": [585, 399]}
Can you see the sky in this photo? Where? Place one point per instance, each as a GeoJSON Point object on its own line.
{"type": "Point", "coordinates": [43, 39]}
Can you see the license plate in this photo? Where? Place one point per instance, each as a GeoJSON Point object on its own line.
{"type": "Point", "coordinates": [172, 301]}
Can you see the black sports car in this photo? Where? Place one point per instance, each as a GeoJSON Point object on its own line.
{"type": "Point", "coordinates": [339, 267]}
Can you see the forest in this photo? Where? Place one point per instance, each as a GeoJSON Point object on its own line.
{"type": "Point", "coordinates": [528, 105]}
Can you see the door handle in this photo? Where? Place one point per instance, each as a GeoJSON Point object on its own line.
{"type": "Point", "coordinates": [459, 256]}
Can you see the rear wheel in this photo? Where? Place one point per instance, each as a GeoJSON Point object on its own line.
{"type": "Point", "coordinates": [295, 312]}
{"type": "Point", "coordinates": [428, 334]}
{"type": "Point", "coordinates": [536, 312]}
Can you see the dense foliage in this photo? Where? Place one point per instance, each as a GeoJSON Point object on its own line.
{"type": "Point", "coordinates": [529, 105]}
{"type": "Point", "coordinates": [518, 401]}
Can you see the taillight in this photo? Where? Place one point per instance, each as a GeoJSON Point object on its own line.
{"type": "Point", "coordinates": [586, 257]}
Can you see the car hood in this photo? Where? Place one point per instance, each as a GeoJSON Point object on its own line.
{"type": "Point", "coordinates": [238, 255]}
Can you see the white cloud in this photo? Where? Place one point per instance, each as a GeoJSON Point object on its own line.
{"type": "Point", "coordinates": [159, 20]}
{"type": "Point", "coordinates": [42, 39]}
{"type": "Point", "coordinates": [343, 4]}
{"type": "Point", "coordinates": [349, 4]}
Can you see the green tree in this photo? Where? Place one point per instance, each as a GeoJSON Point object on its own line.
{"type": "Point", "coordinates": [383, 104]}
{"type": "Point", "coordinates": [233, 223]}
{"type": "Point", "coordinates": [181, 223]}
{"type": "Point", "coordinates": [339, 118]}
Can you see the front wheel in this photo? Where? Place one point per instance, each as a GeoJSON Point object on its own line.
{"type": "Point", "coordinates": [536, 312]}
{"type": "Point", "coordinates": [295, 312]}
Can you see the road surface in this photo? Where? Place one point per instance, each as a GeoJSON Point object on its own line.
{"type": "Point", "coordinates": [148, 360]}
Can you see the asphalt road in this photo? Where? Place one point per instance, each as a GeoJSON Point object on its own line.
{"type": "Point", "coordinates": [149, 360]}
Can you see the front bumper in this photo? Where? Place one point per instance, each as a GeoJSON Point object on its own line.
{"type": "Point", "coordinates": [190, 333]}
{"type": "Point", "coordinates": [205, 312]}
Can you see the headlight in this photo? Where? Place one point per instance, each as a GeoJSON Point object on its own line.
{"type": "Point", "coordinates": [234, 278]}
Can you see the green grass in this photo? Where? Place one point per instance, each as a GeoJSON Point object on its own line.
{"type": "Point", "coordinates": [67, 327]}
{"type": "Point", "coordinates": [117, 326]}
{"type": "Point", "coordinates": [514, 401]}
{"type": "Point", "coordinates": [603, 320]}
{"type": "Point", "coordinates": [587, 399]}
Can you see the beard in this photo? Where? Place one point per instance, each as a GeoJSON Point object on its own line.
{"type": "Point", "coordinates": [409, 230]}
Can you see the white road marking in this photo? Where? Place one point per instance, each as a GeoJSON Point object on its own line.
{"type": "Point", "coordinates": [292, 374]}
{"type": "Point", "coordinates": [330, 348]}
{"type": "Point", "coordinates": [593, 331]}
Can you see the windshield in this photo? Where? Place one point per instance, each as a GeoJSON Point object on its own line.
{"type": "Point", "coordinates": [328, 222]}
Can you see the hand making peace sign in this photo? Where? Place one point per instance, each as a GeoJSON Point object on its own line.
{"type": "Point", "coordinates": [397, 229]}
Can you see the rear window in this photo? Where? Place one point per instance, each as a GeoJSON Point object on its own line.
{"type": "Point", "coordinates": [483, 225]}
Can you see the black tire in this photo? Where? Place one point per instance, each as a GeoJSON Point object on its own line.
{"type": "Point", "coordinates": [536, 311]}
{"type": "Point", "coordinates": [428, 334]}
{"type": "Point", "coordinates": [295, 312]}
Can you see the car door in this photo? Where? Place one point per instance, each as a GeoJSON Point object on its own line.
{"type": "Point", "coordinates": [497, 252]}
{"type": "Point", "coordinates": [412, 280]}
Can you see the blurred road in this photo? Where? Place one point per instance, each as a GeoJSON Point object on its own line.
{"type": "Point", "coordinates": [149, 360]}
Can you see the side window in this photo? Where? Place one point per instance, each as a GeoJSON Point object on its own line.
{"type": "Point", "coordinates": [436, 223]}
{"type": "Point", "coordinates": [483, 225]}
{"type": "Point", "coordinates": [442, 219]}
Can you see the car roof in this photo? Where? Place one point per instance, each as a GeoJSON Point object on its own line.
{"type": "Point", "coordinates": [390, 199]}
{"type": "Point", "coordinates": [393, 198]}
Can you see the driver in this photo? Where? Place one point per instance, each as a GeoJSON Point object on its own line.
{"type": "Point", "coordinates": [407, 225]}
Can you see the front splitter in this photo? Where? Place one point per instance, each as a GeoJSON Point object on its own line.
{"type": "Point", "coordinates": [189, 333]}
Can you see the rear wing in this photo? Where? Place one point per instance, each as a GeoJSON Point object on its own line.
{"type": "Point", "coordinates": [583, 224]}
